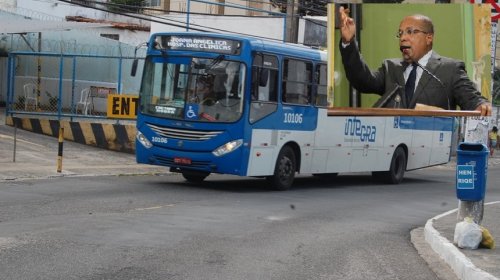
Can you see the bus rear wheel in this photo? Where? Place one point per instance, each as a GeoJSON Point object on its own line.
{"type": "Point", "coordinates": [284, 171]}
{"type": "Point", "coordinates": [397, 169]}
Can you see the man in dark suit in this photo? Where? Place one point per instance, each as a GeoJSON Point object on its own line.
{"type": "Point", "coordinates": [421, 77]}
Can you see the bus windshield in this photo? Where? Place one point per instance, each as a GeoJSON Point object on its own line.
{"type": "Point", "coordinates": [192, 88]}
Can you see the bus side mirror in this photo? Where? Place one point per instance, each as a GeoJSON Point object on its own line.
{"type": "Point", "coordinates": [263, 77]}
{"type": "Point", "coordinates": [133, 71]}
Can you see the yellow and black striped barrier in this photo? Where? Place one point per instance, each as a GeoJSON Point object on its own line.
{"type": "Point", "coordinates": [117, 137]}
{"type": "Point", "coordinates": [60, 149]}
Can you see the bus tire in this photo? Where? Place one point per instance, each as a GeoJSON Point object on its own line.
{"type": "Point", "coordinates": [284, 171]}
{"type": "Point", "coordinates": [397, 169]}
{"type": "Point", "coordinates": [193, 177]}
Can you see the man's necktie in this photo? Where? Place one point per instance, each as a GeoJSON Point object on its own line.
{"type": "Point", "coordinates": [410, 83]}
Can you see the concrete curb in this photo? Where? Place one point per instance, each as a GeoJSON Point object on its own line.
{"type": "Point", "coordinates": [459, 263]}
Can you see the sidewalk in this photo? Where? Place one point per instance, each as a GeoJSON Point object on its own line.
{"type": "Point", "coordinates": [467, 264]}
{"type": "Point", "coordinates": [36, 157]}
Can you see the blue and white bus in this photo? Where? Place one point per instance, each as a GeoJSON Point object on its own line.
{"type": "Point", "coordinates": [213, 103]}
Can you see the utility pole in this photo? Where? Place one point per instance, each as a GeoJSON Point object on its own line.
{"type": "Point", "coordinates": [292, 21]}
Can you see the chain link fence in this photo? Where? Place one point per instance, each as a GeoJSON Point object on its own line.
{"type": "Point", "coordinates": [66, 85]}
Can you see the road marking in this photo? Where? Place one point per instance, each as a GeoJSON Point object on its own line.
{"type": "Point", "coordinates": [154, 207]}
{"type": "Point", "coordinates": [276, 218]}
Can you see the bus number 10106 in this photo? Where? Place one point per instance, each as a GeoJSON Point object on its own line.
{"type": "Point", "coordinates": [292, 118]}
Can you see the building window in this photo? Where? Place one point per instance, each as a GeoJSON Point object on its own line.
{"type": "Point", "coordinates": [153, 3]}
{"type": "Point", "coordinates": [84, 2]}
{"type": "Point", "coordinates": [111, 36]}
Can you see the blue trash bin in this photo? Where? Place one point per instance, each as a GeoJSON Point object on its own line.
{"type": "Point", "coordinates": [472, 167]}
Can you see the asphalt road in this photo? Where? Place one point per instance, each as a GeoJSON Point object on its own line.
{"type": "Point", "coordinates": [159, 227]}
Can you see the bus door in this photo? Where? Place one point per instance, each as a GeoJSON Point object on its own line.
{"type": "Point", "coordinates": [263, 103]}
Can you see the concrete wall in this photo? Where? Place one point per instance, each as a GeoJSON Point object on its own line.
{"type": "Point", "coordinates": [54, 10]}
{"type": "Point", "coordinates": [116, 137]}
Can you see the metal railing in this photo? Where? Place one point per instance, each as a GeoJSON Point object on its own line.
{"type": "Point", "coordinates": [66, 85]}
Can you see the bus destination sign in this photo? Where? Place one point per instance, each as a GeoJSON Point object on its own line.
{"type": "Point", "coordinates": [204, 44]}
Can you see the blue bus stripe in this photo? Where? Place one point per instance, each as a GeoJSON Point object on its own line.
{"type": "Point", "coordinates": [426, 123]}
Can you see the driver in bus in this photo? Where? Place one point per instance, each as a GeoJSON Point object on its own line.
{"type": "Point", "coordinates": [203, 92]}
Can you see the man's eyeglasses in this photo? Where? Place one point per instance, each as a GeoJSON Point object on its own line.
{"type": "Point", "coordinates": [410, 32]}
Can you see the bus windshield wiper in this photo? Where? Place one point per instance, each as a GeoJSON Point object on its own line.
{"type": "Point", "coordinates": [216, 61]}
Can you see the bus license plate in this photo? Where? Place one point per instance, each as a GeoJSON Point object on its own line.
{"type": "Point", "coordinates": [184, 161]}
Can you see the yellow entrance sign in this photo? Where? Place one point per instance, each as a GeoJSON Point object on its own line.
{"type": "Point", "coordinates": [122, 106]}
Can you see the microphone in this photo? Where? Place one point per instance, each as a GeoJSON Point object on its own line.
{"type": "Point", "coordinates": [435, 78]}
{"type": "Point", "coordinates": [430, 73]}
{"type": "Point", "coordinates": [404, 49]}
{"type": "Point", "coordinates": [386, 97]}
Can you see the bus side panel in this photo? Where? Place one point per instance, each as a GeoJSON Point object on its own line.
{"type": "Point", "coordinates": [367, 137]}
{"type": "Point", "coordinates": [289, 124]}
{"type": "Point", "coordinates": [266, 145]}
{"type": "Point", "coordinates": [421, 145]}
{"type": "Point", "coordinates": [319, 161]}
{"type": "Point", "coordinates": [355, 143]}
{"type": "Point", "coordinates": [364, 144]}
{"type": "Point", "coordinates": [431, 139]}
{"type": "Point", "coordinates": [329, 136]}
{"type": "Point", "coordinates": [441, 139]}
{"type": "Point", "coordinates": [263, 152]}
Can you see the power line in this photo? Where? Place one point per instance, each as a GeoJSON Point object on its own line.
{"type": "Point", "coordinates": [126, 8]}
{"type": "Point", "coordinates": [172, 22]}
{"type": "Point", "coordinates": [183, 25]}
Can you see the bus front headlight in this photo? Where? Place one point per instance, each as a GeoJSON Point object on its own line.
{"type": "Point", "coordinates": [143, 140]}
{"type": "Point", "coordinates": [227, 148]}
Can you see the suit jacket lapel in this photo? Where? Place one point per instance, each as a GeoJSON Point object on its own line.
{"type": "Point", "coordinates": [432, 65]}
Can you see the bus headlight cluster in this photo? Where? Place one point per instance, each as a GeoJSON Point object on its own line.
{"type": "Point", "coordinates": [227, 148]}
{"type": "Point", "coordinates": [143, 140]}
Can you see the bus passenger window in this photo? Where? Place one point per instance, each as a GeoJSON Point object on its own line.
{"type": "Point", "coordinates": [265, 78]}
{"type": "Point", "coordinates": [297, 82]}
{"type": "Point", "coordinates": [265, 87]}
{"type": "Point", "coordinates": [264, 90]}
{"type": "Point", "coordinates": [321, 90]}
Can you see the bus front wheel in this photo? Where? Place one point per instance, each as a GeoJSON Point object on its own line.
{"type": "Point", "coordinates": [194, 177]}
{"type": "Point", "coordinates": [397, 169]}
{"type": "Point", "coordinates": [284, 171]}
